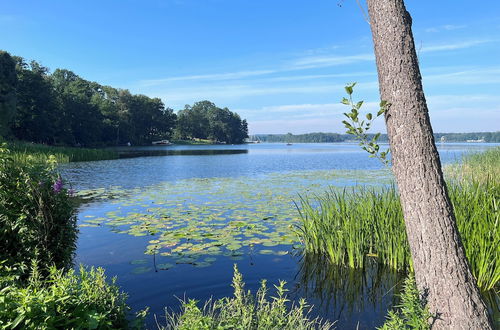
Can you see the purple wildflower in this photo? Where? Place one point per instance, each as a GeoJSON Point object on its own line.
{"type": "Point", "coordinates": [58, 185]}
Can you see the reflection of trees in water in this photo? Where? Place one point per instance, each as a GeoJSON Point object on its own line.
{"type": "Point", "coordinates": [133, 153]}
{"type": "Point", "coordinates": [346, 294]}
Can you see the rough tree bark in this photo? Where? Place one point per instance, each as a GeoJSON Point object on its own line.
{"type": "Point", "coordinates": [441, 269]}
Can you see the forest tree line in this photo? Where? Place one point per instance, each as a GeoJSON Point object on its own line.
{"type": "Point", "coordinates": [61, 108]}
{"type": "Point", "coordinates": [334, 137]}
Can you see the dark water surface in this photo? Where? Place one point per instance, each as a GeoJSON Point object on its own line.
{"type": "Point", "coordinates": [198, 210]}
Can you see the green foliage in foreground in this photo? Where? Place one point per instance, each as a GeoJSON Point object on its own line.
{"type": "Point", "coordinates": [349, 227]}
{"type": "Point", "coordinates": [29, 152]}
{"type": "Point", "coordinates": [245, 311]}
{"type": "Point", "coordinates": [83, 300]}
{"type": "Point", "coordinates": [411, 313]}
{"type": "Point", "coordinates": [37, 218]}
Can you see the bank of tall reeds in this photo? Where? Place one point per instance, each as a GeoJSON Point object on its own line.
{"type": "Point", "coordinates": [475, 167]}
{"type": "Point", "coordinates": [24, 152]}
{"type": "Point", "coordinates": [351, 226]}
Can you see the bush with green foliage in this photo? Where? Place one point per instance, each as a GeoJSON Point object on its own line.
{"type": "Point", "coordinates": [245, 311]}
{"type": "Point", "coordinates": [37, 218]}
{"type": "Point", "coordinates": [411, 313]}
{"type": "Point", "coordinates": [71, 300]}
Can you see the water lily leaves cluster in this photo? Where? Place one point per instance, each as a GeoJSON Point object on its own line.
{"type": "Point", "coordinates": [195, 220]}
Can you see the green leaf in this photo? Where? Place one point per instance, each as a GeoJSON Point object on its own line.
{"type": "Point", "coordinates": [369, 116]}
{"type": "Point", "coordinates": [345, 101]}
{"type": "Point", "coordinates": [359, 104]}
{"type": "Point", "coordinates": [347, 125]}
{"type": "Point", "coordinates": [349, 88]}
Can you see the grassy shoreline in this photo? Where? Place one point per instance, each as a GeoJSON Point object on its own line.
{"type": "Point", "coordinates": [25, 151]}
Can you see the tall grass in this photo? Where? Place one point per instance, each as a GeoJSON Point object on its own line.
{"type": "Point", "coordinates": [351, 226]}
{"type": "Point", "coordinates": [476, 166]}
{"type": "Point", "coordinates": [24, 152]}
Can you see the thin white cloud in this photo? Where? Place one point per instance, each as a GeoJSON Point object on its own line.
{"type": "Point", "coordinates": [215, 76]}
{"type": "Point", "coordinates": [448, 112]}
{"type": "Point", "coordinates": [302, 112]}
{"type": "Point", "coordinates": [446, 27]}
{"type": "Point", "coordinates": [227, 92]}
{"type": "Point", "coordinates": [326, 61]}
{"type": "Point", "coordinates": [301, 63]}
{"type": "Point", "coordinates": [351, 76]}
{"type": "Point", "coordinates": [304, 63]}
{"type": "Point", "coordinates": [454, 46]}
{"type": "Point", "coordinates": [490, 75]}
{"type": "Point", "coordinates": [450, 27]}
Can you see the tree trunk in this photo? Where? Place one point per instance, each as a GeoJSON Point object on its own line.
{"type": "Point", "coordinates": [441, 269]}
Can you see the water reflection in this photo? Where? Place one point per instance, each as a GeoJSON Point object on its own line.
{"type": "Point", "coordinates": [133, 153]}
{"type": "Point", "coordinates": [354, 297]}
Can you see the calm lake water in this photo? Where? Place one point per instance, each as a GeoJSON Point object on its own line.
{"type": "Point", "coordinates": [173, 226]}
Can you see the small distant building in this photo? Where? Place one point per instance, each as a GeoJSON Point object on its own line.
{"type": "Point", "coordinates": [443, 139]}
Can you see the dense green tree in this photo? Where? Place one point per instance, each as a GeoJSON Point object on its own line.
{"type": "Point", "coordinates": [8, 82]}
{"type": "Point", "coordinates": [63, 108]}
{"type": "Point", "coordinates": [82, 117]}
{"type": "Point", "coordinates": [36, 115]}
{"type": "Point", "coordinates": [204, 120]}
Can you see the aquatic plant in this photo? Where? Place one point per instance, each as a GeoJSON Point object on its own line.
{"type": "Point", "coordinates": [22, 152]}
{"type": "Point", "coordinates": [246, 311]}
{"type": "Point", "coordinates": [194, 221]}
{"type": "Point", "coordinates": [353, 225]}
{"type": "Point", "coordinates": [72, 300]}
{"type": "Point", "coordinates": [478, 166]}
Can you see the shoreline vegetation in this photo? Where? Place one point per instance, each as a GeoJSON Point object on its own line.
{"type": "Point", "coordinates": [348, 228]}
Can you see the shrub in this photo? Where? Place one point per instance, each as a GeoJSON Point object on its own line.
{"type": "Point", "coordinates": [70, 300]}
{"type": "Point", "coordinates": [245, 311]}
{"type": "Point", "coordinates": [411, 313]}
{"type": "Point", "coordinates": [37, 218]}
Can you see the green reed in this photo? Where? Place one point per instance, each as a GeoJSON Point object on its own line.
{"type": "Point", "coordinates": [23, 152]}
{"type": "Point", "coordinates": [476, 166]}
{"type": "Point", "coordinates": [353, 225]}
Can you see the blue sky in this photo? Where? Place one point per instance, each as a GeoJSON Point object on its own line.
{"type": "Point", "coordinates": [281, 64]}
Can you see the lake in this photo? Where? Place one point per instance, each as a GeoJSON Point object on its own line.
{"type": "Point", "coordinates": [172, 227]}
